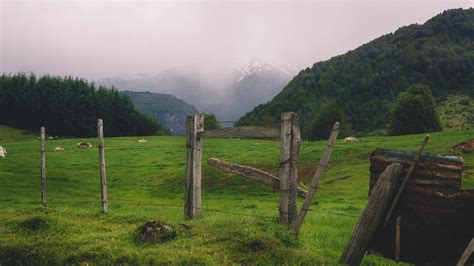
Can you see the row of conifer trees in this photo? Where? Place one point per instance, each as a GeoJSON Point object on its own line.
{"type": "Point", "coordinates": [69, 106]}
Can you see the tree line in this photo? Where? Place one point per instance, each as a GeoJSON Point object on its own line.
{"type": "Point", "coordinates": [70, 106]}
{"type": "Point", "coordinates": [365, 82]}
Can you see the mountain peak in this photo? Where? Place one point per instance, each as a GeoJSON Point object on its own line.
{"type": "Point", "coordinates": [256, 65]}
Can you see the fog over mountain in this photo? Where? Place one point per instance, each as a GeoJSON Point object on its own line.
{"type": "Point", "coordinates": [236, 91]}
{"type": "Point", "coordinates": [105, 38]}
{"type": "Point", "coordinates": [197, 51]}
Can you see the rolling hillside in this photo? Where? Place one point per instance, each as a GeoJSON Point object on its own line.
{"type": "Point", "coordinates": [13, 134]}
{"type": "Point", "coordinates": [165, 108]}
{"type": "Point", "coordinates": [145, 181]}
{"type": "Point", "coordinates": [366, 81]}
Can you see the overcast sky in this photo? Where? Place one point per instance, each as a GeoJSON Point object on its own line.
{"type": "Point", "coordinates": [95, 39]}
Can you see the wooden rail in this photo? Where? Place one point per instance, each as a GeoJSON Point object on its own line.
{"type": "Point", "coordinates": [252, 174]}
{"type": "Point", "coordinates": [242, 132]}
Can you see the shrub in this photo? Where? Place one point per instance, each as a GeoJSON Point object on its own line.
{"type": "Point", "coordinates": [210, 122]}
{"type": "Point", "coordinates": [414, 112]}
{"type": "Point", "coordinates": [324, 120]}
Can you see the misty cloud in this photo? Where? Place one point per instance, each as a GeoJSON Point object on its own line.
{"type": "Point", "coordinates": [102, 39]}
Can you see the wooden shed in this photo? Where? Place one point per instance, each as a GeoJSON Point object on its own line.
{"type": "Point", "coordinates": [437, 216]}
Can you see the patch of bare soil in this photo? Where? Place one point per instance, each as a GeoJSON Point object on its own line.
{"type": "Point", "coordinates": [155, 231]}
{"type": "Point", "coordinates": [465, 146]}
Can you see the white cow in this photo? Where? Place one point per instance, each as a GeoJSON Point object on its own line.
{"type": "Point", "coordinates": [142, 141]}
{"type": "Point", "coordinates": [3, 152]}
{"type": "Point", "coordinates": [84, 145]}
{"type": "Point", "coordinates": [352, 139]}
{"type": "Point", "coordinates": [59, 149]}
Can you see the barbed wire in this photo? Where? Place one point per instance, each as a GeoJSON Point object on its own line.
{"type": "Point", "coordinates": [97, 202]}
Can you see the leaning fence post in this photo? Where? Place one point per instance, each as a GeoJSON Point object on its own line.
{"type": "Point", "coordinates": [466, 254]}
{"type": "Point", "coordinates": [372, 216]}
{"type": "Point", "coordinates": [103, 176]}
{"type": "Point", "coordinates": [284, 172]}
{"type": "Point", "coordinates": [405, 179]}
{"type": "Point", "coordinates": [293, 177]}
{"type": "Point", "coordinates": [323, 163]}
{"type": "Point", "coordinates": [192, 203]}
{"type": "Point", "coordinates": [43, 166]}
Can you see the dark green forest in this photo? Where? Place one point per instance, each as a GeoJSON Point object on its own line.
{"type": "Point", "coordinates": [365, 82]}
{"type": "Point", "coordinates": [165, 108]}
{"type": "Point", "coordinates": [69, 106]}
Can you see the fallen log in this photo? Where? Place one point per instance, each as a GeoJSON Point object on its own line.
{"type": "Point", "coordinates": [251, 173]}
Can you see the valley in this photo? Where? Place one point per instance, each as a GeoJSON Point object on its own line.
{"type": "Point", "coordinates": [146, 181]}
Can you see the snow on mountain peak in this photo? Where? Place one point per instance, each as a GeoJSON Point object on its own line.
{"type": "Point", "coordinates": [255, 65]}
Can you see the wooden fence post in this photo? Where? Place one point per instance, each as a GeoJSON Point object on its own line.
{"type": "Point", "coordinates": [323, 163]}
{"type": "Point", "coordinates": [192, 204]}
{"type": "Point", "coordinates": [293, 177]}
{"type": "Point", "coordinates": [397, 238]}
{"type": "Point", "coordinates": [466, 254]}
{"type": "Point", "coordinates": [372, 216]}
{"type": "Point", "coordinates": [103, 176]}
{"type": "Point", "coordinates": [284, 172]}
{"type": "Point", "coordinates": [405, 179]}
{"type": "Point", "coordinates": [43, 166]}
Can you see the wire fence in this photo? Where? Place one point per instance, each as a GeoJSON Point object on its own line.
{"type": "Point", "coordinates": [177, 206]}
{"type": "Point", "coordinates": [145, 146]}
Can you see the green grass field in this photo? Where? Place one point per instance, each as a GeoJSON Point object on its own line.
{"type": "Point", "coordinates": [146, 181]}
{"type": "Point", "coordinates": [456, 112]}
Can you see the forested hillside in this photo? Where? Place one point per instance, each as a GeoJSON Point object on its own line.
{"type": "Point", "coordinates": [165, 108]}
{"type": "Point", "coordinates": [69, 106]}
{"type": "Point", "coordinates": [366, 81]}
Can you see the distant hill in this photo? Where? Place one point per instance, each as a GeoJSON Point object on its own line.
{"type": "Point", "coordinates": [8, 134]}
{"type": "Point", "coordinates": [366, 81]}
{"type": "Point", "coordinates": [227, 91]}
{"type": "Point", "coordinates": [165, 108]}
{"type": "Point", "coordinates": [70, 107]}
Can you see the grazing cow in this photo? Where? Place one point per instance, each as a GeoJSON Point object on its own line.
{"type": "Point", "coordinates": [3, 152]}
{"type": "Point", "coordinates": [142, 141]}
{"type": "Point", "coordinates": [59, 149]}
{"type": "Point", "coordinates": [352, 139]}
{"type": "Point", "coordinates": [84, 145]}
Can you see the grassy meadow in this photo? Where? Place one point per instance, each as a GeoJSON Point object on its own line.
{"type": "Point", "coordinates": [146, 181]}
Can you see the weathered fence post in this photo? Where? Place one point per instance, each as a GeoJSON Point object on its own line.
{"type": "Point", "coordinates": [372, 216]}
{"type": "Point", "coordinates": [405, 179]}
{"type": "Point", "coordinates": [192, 204]}
{"type": "Point", "coordinates": [103, 176]}
{"type": "Point", "coordinates": [323, 163]}
{"type": "Point", "coordinates": [43, 166]}
{"type": "Point", "coordinates": [284, 172]}
{"type": "Point", "coordinates": [466, 254]}
{"type": "Point", "coordinates": [293, 178]}
{"type": "Point", "coordinates": [397, 238]}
